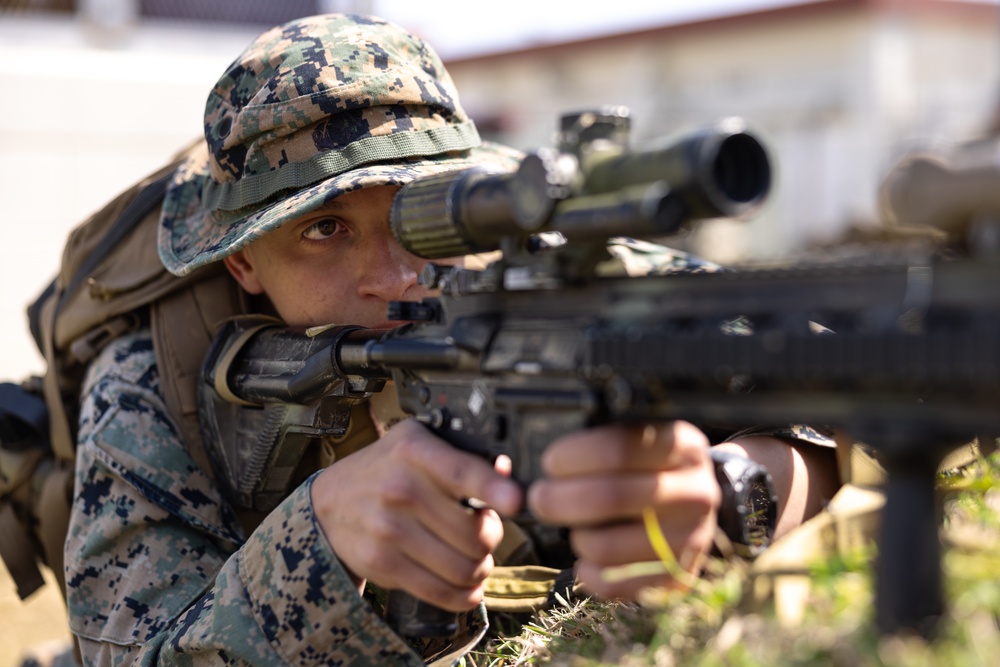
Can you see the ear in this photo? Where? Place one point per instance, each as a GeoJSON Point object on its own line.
{"type": "Point", "coordinates": [241, 266]}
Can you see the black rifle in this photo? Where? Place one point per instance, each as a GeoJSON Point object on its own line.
{"type": "Point", "coordinates": [541, 342]}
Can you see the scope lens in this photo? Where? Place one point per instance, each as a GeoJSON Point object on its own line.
{"type": "Point", "coordinates": [741, 168]}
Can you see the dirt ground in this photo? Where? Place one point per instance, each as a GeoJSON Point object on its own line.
{"type": "Point", "coordinates": [38, 623]}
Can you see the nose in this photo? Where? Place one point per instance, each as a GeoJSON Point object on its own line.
{"type": "Point", "coordinates": [388, 271]}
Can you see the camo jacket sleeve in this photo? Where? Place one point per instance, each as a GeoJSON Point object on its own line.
{"type": "Point", "coordinates": [159, 573]}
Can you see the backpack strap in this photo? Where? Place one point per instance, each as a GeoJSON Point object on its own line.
{"type": "Point", "coordinates": [18, 553]}
{"type": "Point", "coordinates": [183, 325]}
{"type": "Point", "coordinates": [54, 503]}
{"type": "Point", "coordinates": [43, 314]}
{"type": "Point", "coordinates": [60, 431]}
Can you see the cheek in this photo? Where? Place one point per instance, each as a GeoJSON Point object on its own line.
{"type": "Point", "coordinates": [306, 289]}
{"type": "Point", "coordinates": [305, 300]}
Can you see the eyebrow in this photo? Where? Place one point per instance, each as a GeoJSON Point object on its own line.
{"type": "Point", "coordinates": [334, 203]}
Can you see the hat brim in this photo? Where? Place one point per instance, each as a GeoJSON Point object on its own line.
{"type": "Point", "coordinates": [191, 236]}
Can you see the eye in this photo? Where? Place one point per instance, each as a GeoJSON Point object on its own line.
{"type": "Point", "coordinates": [321, 230]}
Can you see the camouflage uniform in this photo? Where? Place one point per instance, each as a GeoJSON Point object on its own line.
{"type": "Point", "coordinates": [158, 568]}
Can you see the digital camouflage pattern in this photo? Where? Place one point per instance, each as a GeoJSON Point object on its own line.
{"type": "Point", "coordinates": [158, 570]}
{"type": "Point", "coordinates": [313, 109]}
{"type": "Point", "coordinates": [157, 562]}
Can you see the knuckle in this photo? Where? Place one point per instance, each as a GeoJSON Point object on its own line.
{"type": "Point", "coordinates": [409, 446]}
{"type": "Point", "coordinates": [377, 560]}
{"type": "Point", "coordinates": [706, 494]}
{"type": "Point", "coordinates": [614, 497]}
{"type": "Point", "coordinates": [400, 490]}
{"type": "Point", "coordinates": [482, 548]}
{"type": "Point", "coordinates": [447, 597]}
{"type": "Point", "coordinates": [616, 454]}
{"type": "Point", "coordinates": [386, 530]}
{"type": "Point", "coordinates": [688, 437]}
{"type": "Point", "coordinates": [471, 573]}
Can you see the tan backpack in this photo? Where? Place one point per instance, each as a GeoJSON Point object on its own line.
{"type": "Point", "coordinates": [110, 282]}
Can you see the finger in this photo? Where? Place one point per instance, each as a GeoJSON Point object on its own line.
{"type": "Point", "coordinates": [407, 494]}
{"type": "Point", "coordinates": [460, 474]}
{"type": "Point", "coordinates": [453, 568]}
{"type": "Point", "coordinates": [473, 533]}
{"type": "Point", "coordinates": [429, 586]}
{"type": "Point", "coordinates": [625, 448]}
{"type": "Point", "coordinates": [598, 499]}
{"type": "Point", "coordinates": [395, 536]}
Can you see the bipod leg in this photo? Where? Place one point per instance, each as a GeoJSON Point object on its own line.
{"type": "Point", "coordinates": [908, 589]}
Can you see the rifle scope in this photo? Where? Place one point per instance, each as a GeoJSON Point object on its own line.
{"type": "Point", "coordinates": [594, 194]}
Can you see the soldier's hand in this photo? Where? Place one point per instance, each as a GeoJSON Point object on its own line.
{"type": "Point", "coordinates": [601, 480]}
{"type": "Point", "coordinates": [393, 514]}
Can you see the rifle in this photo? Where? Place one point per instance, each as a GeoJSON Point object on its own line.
{"type": "Point", "coordinates": [951, 193]}
{"type": "Point", "coordinates": [543, 341]}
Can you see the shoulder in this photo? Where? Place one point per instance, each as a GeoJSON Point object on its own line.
{"type": "Point", "coordinates": [129, 358]}
{"type": "Point", "coordinates": [127, 431]}
{"type": "Point", "coordinates": [124, 376]}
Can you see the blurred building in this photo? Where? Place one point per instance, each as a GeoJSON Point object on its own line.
{"type": "Point", "coordinates": [839, 88]}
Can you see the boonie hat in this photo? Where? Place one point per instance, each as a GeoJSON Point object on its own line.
{"type": "Point", "coordinates": [312, 109]}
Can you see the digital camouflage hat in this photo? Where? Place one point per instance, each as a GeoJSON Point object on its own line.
{"type": "Point", "coordinates": [313, 109]}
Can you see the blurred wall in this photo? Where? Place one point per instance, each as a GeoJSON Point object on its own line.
{"type": "Point", "coordinates": [86, 112]}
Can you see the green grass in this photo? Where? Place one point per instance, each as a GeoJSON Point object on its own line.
{"type": "Point", "coordinates": [716, 624]}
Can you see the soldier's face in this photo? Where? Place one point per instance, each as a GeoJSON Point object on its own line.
{"type": "Point", "coordinates": [338, 265]}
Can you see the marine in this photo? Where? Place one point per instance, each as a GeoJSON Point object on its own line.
{"type": "Point", "coordinates": [308, 135]}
